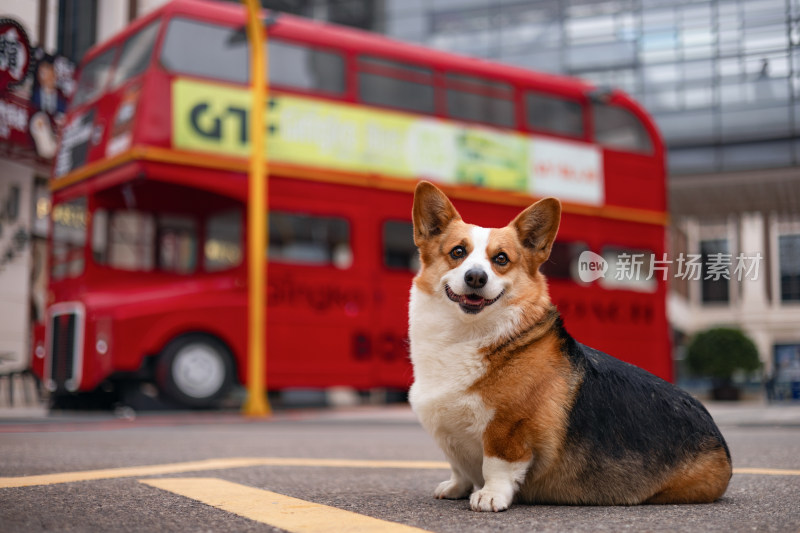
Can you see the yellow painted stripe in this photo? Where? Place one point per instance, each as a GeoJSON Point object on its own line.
{"type": "Point", "coordinates": [243, 462]}
{"type": "Point", "coordinates": [150, 470]}
{"type": "Point", "coordinates": [766, 471]}
{"type": "Point", "coordinates": [275, 509]}
{"type": "Point", "coordinates": [211, 464]}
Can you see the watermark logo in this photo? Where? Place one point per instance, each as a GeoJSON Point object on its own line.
{"type": "Point", "coordinates": [591, 266]}
{"type": "Point", "coordinates": [633, 267]}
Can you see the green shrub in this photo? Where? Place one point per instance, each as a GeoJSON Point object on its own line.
{"type": "Point", "coordinates": [719, 352]}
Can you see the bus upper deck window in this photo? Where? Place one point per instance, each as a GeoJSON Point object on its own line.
{"type": "Point", "coordinates": [205, 49]}
{"type": "Point", "coordinates": [301, 67]}
{"type": "Point", "coordinates": [93, 77]}
{"type": "Point", "coordinates": [394, 84]}
{"type": "Point", "coordinates": [470, 98]}
{"type": "Point", "coordinates": [135, 56]}
{"type": "Point", "coordinates": [554, 114]}
{"type": "Point", "coordinates": [618, 128]}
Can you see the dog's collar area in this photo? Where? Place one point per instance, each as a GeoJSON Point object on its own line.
{"type": "Point", "coordinates": [470, 303]}
{"type": "Point", "coordinates": [529, 334]}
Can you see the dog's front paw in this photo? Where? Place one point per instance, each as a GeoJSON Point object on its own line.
{"type": "Point", "coordinates": [489, 500]}
{"type": "Point", "coordinates": [452, 490]}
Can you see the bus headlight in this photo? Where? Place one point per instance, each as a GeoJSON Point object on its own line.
{"type": "Point", "coordinates": [101, 346]}
{"type": "Point", "coordinates": [39, 350]}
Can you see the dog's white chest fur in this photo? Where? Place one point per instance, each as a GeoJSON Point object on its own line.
{"type": "Point", "coordinates": [446, 364]}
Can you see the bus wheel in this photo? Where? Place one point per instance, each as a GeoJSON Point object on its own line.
{"type": "Point", "coordinates": [195, 370]}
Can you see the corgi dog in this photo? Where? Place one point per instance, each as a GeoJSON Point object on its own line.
{"type": "Point", "coordinates": [522, 411]}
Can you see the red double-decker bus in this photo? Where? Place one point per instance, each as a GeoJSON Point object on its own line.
{"type": "Point", "coordinates": [147, 279]}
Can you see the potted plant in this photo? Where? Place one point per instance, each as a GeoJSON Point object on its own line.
{"type": "Point", "coordinates": [718, 353]}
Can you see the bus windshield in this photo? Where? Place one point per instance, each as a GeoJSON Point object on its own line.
{"type": "Point", "coordinates": [135, 56]}
{"type": "Point", "coordinates": [94, 77]}
{"type": "Point", "coordinates": [109, 70]}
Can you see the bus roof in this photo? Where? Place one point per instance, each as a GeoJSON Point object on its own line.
{"type": "Point", "coordinates": [355, 40]}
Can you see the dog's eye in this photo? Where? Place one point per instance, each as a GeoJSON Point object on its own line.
{"type": "Point", "coordinates": [501, 259]}
{"type": "Point", "coordinates": [458, 252]}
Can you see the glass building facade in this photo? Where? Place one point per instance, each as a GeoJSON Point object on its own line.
{"type": "Point", "coordinates": [722, 78]}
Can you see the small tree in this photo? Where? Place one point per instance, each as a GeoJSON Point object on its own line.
{"type": "Point", "coordinates": [718, 353]}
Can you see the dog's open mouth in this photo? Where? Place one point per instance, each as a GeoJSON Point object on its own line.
{"type": "Point", "coordinates": [470, 303]}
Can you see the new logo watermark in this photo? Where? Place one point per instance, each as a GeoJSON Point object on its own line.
{"type": "Point", "coordinates": [591, 266]}
{"type": "Point", "coordinates": [644, 267]}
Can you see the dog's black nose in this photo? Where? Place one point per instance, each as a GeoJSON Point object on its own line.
{"type": "Point", "coordinates": [475, 278]}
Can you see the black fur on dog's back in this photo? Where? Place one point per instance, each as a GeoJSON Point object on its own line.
{"type": "Point", "coordinates": [628, 427]}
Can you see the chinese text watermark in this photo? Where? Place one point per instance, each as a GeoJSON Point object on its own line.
{"type": "Point", "coordinates": [645, 267]}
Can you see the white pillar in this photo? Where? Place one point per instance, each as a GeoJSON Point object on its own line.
{"type": "Point", "coordinates": [753, 285]}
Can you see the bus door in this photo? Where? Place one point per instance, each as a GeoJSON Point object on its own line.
{"type": "Point", "coordinates": [399, 262]}
{"type": "Point", "coordinates": [319, 294]}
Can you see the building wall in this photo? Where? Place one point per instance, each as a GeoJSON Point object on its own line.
{"type": "Point", "coordinates": [755, 303]}
{"type": "Point", "coordinates": [111, 18]}
{"type": "Point", "coordinates": [26, 12]}
{"type": "Point", "coordinates": [15, 265]}
{"type": "Point", "coordinates": [146, 6]}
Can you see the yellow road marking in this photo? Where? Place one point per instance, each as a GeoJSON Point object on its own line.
{"type": "Point", "coordinates": [766, 471]}
{"type": "Point", "coordinates": [210, 464]}
{"type": "Point", "coordinates": [275, 509]}
{"type": "Point", "coordinates": [243, 462]}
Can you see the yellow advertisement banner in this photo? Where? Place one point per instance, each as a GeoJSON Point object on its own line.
{"type": "Point", "coordinates": [213, 118]}
{"type": "Point", "coordinates": [210, 118]}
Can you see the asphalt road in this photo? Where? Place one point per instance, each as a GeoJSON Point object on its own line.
{"type": "Point", "coordinates": [372, 462]}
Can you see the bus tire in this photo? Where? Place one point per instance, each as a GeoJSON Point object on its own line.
{"type": "Point", "coordinates": [195, 370]}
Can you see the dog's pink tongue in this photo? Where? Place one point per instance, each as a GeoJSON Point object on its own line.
{"type": "Point", "coordinates": [473, 299]}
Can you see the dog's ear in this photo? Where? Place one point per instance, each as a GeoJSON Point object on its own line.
{"type": "Point", "coordinates": [432, 212]}
{"type": "Point", "coordinates": [537, 227]}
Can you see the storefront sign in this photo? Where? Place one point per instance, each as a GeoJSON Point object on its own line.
{"type": "Point", "coordinates": [14, 54]}
{"type": "Point", "coordinates": [34, 90]}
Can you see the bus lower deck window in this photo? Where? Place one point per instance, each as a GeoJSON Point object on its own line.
{"type": "Point", "coordinates": [563, 261]}
{"type": "Point", "coordinates": [399, 250]}
{"type": "Point", "coordinates": [223, 246]}
{"type": "Point", "coordinates": [305, 239]}
{"type": "Point", "coordinates": [69, 238]}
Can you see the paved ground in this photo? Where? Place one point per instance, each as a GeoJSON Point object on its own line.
{"type": "Point", "coordinates": [62, 473]}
